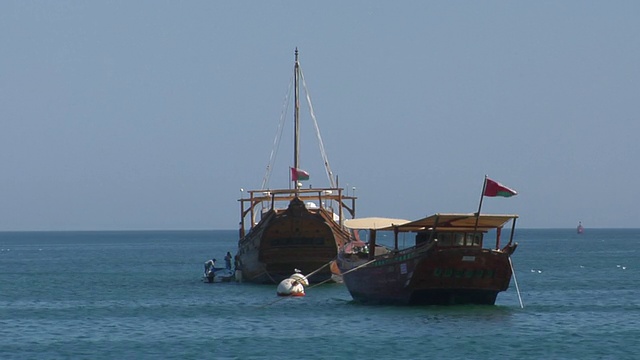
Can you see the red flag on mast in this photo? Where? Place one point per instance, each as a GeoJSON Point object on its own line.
{"type": "Point", "coordinates": [299, 174]}
{"type": "Point", "coordinates": [494, 188]}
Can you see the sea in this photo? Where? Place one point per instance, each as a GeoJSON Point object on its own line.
{"type": "Point", "coordinates": [140, 295]}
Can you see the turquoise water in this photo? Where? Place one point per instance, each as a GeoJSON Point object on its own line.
{"type": "Point", "coordinates": [138, 295]}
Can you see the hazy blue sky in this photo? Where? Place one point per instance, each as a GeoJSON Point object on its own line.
{"type": "Point", "coordinates": [153, 114]}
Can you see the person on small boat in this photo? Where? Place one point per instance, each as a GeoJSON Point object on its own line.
{"type": "Point", "coordinates": [227, 261]}
{"type": "Point", "coordinates": [209, 265]}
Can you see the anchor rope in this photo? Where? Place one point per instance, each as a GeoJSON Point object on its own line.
{"type": "Point", "coordinates": [360, 266]}
{"type": "Point", "coordinates": [318, 269]}
{"type": "Point", "coordinates": [515, 281]}
{"type": "Point", "coordinates": [322, 282]}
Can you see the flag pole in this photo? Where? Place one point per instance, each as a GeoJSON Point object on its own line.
{"type": "Point", "coordinates": [484, 186]}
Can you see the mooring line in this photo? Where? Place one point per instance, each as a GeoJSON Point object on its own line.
{"type": "Point", "coordinates": [329, 279]}
{"type": "Point", "coordinates": [320, 268]}
{"type": "Point", "coordinates": [273, 302]}
{"type": "Point", "coordinates": [363, 265]}
{"type": "Point", "coordinates": [515, 281]}
{"type": "Point", "coordinates": [306, 276]}
{"type": "Point", "coordinates": [322, 282]}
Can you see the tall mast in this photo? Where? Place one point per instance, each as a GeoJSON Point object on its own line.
{"type": "Point", "coordinates": [296, 114]}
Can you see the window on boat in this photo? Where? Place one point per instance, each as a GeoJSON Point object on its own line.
{"type": "Point", "coordinates": [474, 239]}
{"type": "Point", "coordinates": [459, 239]}
{"type": "Point", "coordinates": [423, 237]}
{"type": "Point", "coordinates": [445, 239]}
{"type": "Point", "coordinates": [450, 238]}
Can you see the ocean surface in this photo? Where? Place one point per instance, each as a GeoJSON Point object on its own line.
{"type": "Point", "coordinates": [139, 295]}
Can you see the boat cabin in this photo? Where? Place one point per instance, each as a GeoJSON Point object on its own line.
{"type": "Point", "coordinates": [448, 238]}
{"type": "Point", "coordinates": [441, 230]}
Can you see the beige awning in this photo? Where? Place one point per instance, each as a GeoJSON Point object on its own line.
{"type": "Point", "coordinates": [451, 222]}
{"type": "Point", "coordinates": [456, 221]}
{"type": "Point", "coordinates": [373, 223]}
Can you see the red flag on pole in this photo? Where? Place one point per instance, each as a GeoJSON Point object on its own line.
{"type": "Point", "coordinates": [299, 174]}
{"type": "Point", "coordinates": [494, 188]}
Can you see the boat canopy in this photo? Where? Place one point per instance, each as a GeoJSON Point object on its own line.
{"type": "Point", "coordinates": [460, 222]}
{"type": "Point", "coordinates": [453, 222]}
{"type": "Point", "coordinates": [373, 223]}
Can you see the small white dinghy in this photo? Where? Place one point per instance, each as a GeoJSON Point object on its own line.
{"type": "Point", "coordinates": [217, 275]}
{"type": "Point", "coordinates": [213, 274]}
{"type": "Point", "coordinates": [293, 286]}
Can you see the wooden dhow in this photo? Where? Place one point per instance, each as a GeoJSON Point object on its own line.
{"type": "Point", "coordinates": [294, 229]}
{"type": "Point", "coordinates": [450, 261]}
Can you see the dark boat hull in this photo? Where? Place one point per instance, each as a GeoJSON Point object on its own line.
{"type": "Point", "coordinates": [428, 276]}
{"type": "Point", "coordinates": [286, 240]}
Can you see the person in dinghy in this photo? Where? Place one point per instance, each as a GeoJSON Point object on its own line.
{"type": "Point", "coordinates": [213, 274]}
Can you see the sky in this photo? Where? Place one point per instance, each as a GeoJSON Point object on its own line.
{"type": "Point", "coordinates": [138, 115]}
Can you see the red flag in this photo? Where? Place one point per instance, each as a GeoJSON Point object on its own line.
{"type": "Point", "coordinates": [494, 188]}
{"type": "Point", "coordinates": [299, 174]}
